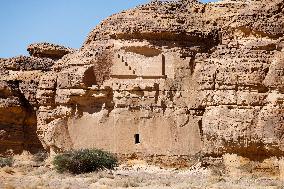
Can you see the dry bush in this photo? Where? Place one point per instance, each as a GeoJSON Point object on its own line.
{"type": "Point", "coordinates": [40, 156]}
{"type": "Point", "coordinates": [26, 158]}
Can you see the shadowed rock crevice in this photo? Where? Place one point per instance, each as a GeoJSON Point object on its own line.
{"type": "Point", "coordinates": [18, 122]}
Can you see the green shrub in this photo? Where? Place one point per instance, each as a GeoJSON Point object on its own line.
{"type": "Point", "coordinates": [6, 162]}
{"type": "Point", "coordinates": [84, 161]}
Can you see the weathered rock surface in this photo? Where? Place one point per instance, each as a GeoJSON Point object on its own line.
{"type": "Point", "coordinates": [19, 86]}
{"type": "Point", "coordinates": [47, 50]}
{"type": "Point", "coordinates": [167, 78]}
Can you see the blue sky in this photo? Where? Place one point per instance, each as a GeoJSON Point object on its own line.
{"type": "Point", "coordinates": [65, 22]}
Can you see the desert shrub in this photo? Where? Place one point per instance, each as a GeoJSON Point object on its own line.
{"type": "Point", "coordinates": [40, 156]}
{"type": "Point", "coordinates": [84, 161]}
{"type": "Point", "coordinates": [6, 162]}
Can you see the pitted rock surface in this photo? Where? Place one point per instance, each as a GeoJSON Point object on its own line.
{"type": "Point", "coordinates": [48, 50]}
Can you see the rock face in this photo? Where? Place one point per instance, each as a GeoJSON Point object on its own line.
{"type": "Point", "coordinates": [166, 78]}
{"type": "Point", "coordinates": [20, 77]}
{"type": "Point", "coordinates": [47, 50]}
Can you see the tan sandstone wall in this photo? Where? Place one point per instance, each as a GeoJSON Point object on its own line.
{"type": "Point", "coordinates": [188, 77]}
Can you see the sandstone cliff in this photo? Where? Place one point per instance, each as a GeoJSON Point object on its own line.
{"type": "Point", "coordinates": [20, 78]}
{"type": "Point", "coordinates": [165, 78]}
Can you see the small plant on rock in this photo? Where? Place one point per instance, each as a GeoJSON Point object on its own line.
{"type": "Point", "coordinates": [84, 161]}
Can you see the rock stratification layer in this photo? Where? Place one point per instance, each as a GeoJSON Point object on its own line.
{"type": "Point", "coordinates": [166, 78]}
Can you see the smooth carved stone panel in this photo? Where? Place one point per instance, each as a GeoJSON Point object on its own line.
{"type": "Point", "coordinates": [135, 65]}
{"type": "Point", "coordinates": [158, 134]}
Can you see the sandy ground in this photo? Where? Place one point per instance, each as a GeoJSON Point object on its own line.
{"type": "Point", "coordinates": [137, 176]}
{"type": "Point", "coordinates": [233, 173]}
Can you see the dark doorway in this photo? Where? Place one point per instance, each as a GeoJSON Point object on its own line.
{"type": "Point", "coordinates": [137, 138]}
